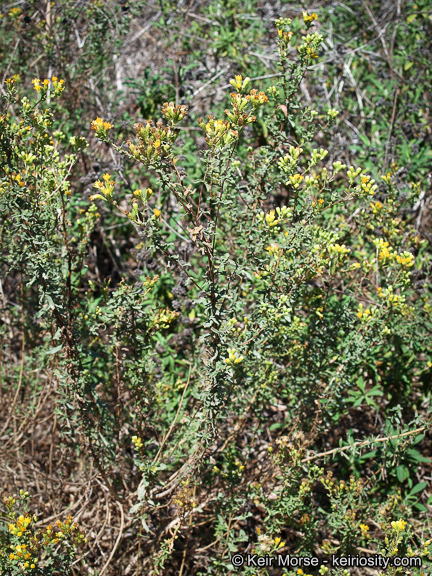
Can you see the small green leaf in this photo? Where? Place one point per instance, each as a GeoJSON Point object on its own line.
{"type": "Point", "coordinates": [55, 349]}
{"type": "Point", "coordinates": [415, 455]}
{"type": "Point", "coordinates": [402, 473]}
{"type": "Point", "coordinates": [418, 488]}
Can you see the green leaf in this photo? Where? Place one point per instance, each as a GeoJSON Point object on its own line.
{"type": "Point", "coordinates": [415, 455]}
{"type": "Point", "coordinates": [55, 349]}
{"type": "Point", "coordinates": [418, 488]}
{"type": "Point", "coordinates": [402, 473]}
{"type": "Point", "coordinates": [375, 392]}
{"type": "Point", "coordinates": [370, 454]}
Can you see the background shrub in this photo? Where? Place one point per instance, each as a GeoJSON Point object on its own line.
{"type": "Point", "coordinates": [215, 332]}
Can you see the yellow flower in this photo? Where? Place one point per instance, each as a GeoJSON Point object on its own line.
{"type": "Point", "coordinates": [157, 212]}
{"type": "Point", "coordinates": [233, 358]}
{"type": "Point", "coordinates": [296, 179]}
{"type": "Point", "coordinates": [376, 207]}
{"type": "Point", "coordinates": [271, 218]}
{"type": "Point", "coordinates": [97, 124]}
{"type": "Point", "coordinates": [364, 529]}
{"type": "Point", "coordinates": [136, 441]}
{"type": "Point", "coordinates": [100, 127]}
{"type": "Point", "coordinates": [11, 556]}
{"type": "Point", "coordinates": [309, 19]}
{"type": "Point", "coordinates": [36, 84]}
{"type": "Point", "coordinates": [398, 525]}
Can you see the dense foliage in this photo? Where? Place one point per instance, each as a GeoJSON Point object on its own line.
{"type": "Point", "coordinates": [215, 289]}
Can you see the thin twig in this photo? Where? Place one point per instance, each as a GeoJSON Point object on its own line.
{"type": "Point", "coordinates": [363, 443]}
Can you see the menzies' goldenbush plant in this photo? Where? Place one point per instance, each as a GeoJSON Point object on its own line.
{"type": "Point", "coordinates": [283, 302]}
{"type": "Point", "coordinates": [25, 548]}
{"type": "Point", "coordinates": [302, 271]}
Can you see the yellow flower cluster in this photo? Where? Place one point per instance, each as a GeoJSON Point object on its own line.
{"type": "Point", "coordinates": [289, 161]}
{"type": "Point", "coordinates": [257, 99]}
{"type": "Point", "coordinates": [275, 217]}
{"type": "Point", "coordinates": [271, 219]}
{"type": "Point", "coordinates": [364, 530]}
{"type": "Point", "coordinates": [376, 207]}
{"type": "Point", "coordinates": [296, 180]}
{"type": "Point", "coordinates": [285, 36]}
{"type": "Point", "coordinates": [64, 530]}
{"type": "Point", "coordinates": [106, 188]}
{"type": "Point", "coordinates": [239, 103]}
{"type": "Point", "coordinates": [239, 84]}
{"type": "Point", "coordinates": [368, 185]}
{"type": "Point", "coordinates": [174, 113]}
{"type": "Point", "coordinates": [136, 441]}
{"type": "Point", "coordinates": [233, 358]}
{"type": "Point", "coordinates": [274, 250]}
{"type": "Point", "coordinates": [406, 259]}
{"type": "Point", "coordinates": [308, 50]}
{"type": "Point", "coordinates": [386, 254]}
{"type": "Point", "coordinates": [308, 19]}
{"type": "Point", "coordinates": [238, 116]}
{"type": "Point", "coordinates": [21, 526]}
{"type": "Point", "coordinates": [21, 553]}
{"type": "Point", "coordinates": [10, 82]}
{"type": "Point", "coordinates": [394, 300]}
{"type": "Point", "coordinates": [18, 179]}
{"type": "Point", "coordinates": [218, 132]}
{"type": "Point", "coordinates": [385, 250]}
{"type": "Point", "coordinates": [155, 141]}
{"type": "Point", "coordinates": [101, 128]}
{"type": "Point", "coordinates": [57, 84]}
{"type": "Point", "coordinates": [165, 317]}
{"type": "Point", "coordinates": [37, 85]}
{"type": "Point", "coordinates": [338, 249]}
{"type": "Point", "coordinates": [399, 525]}
{"type": "Point", "coordinates": [363, 313]}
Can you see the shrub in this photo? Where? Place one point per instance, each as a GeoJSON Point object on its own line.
{"type": "Point", "coordinates": [26, 549]}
